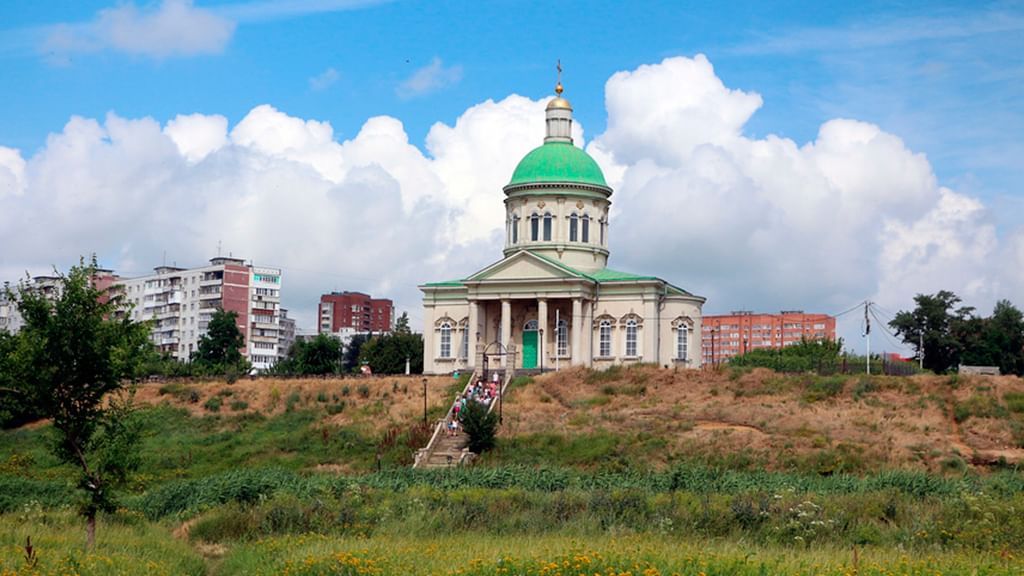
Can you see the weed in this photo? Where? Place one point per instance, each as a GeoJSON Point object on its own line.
{"type": "Point", "coordinates": [337, 408]}
{"type": "Point", "coordinates": [346, 390]}
{"type": "Point", "coordinates": [363, 390]}
{"type": "Point", "coordinates": [321, 397]}
{"type": "Point", "coordinates": [979, 406]}
{"type": "Point", "coordinates": [821, 388]}
{"type": "Point", "coordinates": [213, 404]}
{"type": "Point", "coordinates": [864, 387]}
{"type": "Point", "coordinates": [293, 400]}
{"type": "Point", "coordinates": [1014, 401]}
{"type": "Point", "coordinates": [239, 405]}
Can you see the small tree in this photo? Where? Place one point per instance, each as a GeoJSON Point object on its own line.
{"type": "Point", "coordinates": [480, 425]}
{"type": "Point", "coordinates": [219, 349]}
{"type": "Point", "coordinates": [321, 355]}
{"type": "Point", "coordinates": [71, 354]}
{"type": "Point", "coordinates": [402, 324]}
{"type": "Point", "coordinates": [939, 324]}
{"type": "Point", "coordinates": [354, 348]}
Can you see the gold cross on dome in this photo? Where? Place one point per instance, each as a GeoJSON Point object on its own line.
{"type": "Point", "coordinates": [558, 86]}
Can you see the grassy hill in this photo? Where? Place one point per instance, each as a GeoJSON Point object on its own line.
{"type": "Point", "coordinates": [730, 472]}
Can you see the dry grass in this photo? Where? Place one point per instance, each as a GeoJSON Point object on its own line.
{"type": "Point", "coordinates": [886, 421]}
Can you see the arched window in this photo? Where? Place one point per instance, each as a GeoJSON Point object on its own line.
{"type": "Point", "coordinates": [573, 223]}
{"type": "Point", "coordinates": [586, 229]}
{"type": "Point", "coordinates": [515, 228]}
{"type": "Point", "coordinates": [562, 338]}
{"type": "Point", "coordinates": [681, 336]}
{"type": "Point", "coordinates": [530, 325]}
{"type": "Point", "coordinates": [446, 340]}
{"type": "Point", "coordinates": [605, 338]}
{"type": "Point", "coordinates": [631, 338]}
{"type": "Point", "coordinates": [464, 349]}
{"type": "Point", "coordinates": [547, 227]}
{"type": "Point", "coordinates": [534, 227]}
{"type": "Point", "coordinates": [601, 224]}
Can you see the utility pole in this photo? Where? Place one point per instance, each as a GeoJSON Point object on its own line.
{"type": "Point", "coordinates": [920, 344]}
{"type": "Point", "coordinates": [867, 337]}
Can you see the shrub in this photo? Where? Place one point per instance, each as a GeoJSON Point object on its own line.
{"type": "Point", "coordinates": [238, 405]}
{"type": "Point", "coordinates": [979, 406]}
{"type": "Point", "coordinates": [213, 404]}
{"type": "Point", "coordinates": [480, 425]}
{"type": "Point", "coordinates": [864, 387]}
{"type": "Point", "coordinates": [333, 409]}
{"type": "Point", "coordinates": [363, 390]}
{"type": "Point", "coordinates": [321, 397]}
{"type": "Point", "coordinates": [1014, 401]}
{"type": "Point", "coordinates": [293, 399]}
{"type": "Point", "coordinates": [822, 388]}
{"type": "Point", "coordinates": [346, 390]}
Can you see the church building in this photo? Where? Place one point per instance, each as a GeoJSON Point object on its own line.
{"type": "Point", "coordinates": [551, 301]}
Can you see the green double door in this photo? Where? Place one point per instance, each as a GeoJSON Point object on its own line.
{"type": "Point", "coordinates": [529, 349]}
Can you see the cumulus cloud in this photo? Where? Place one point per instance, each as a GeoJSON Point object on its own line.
{"type": "Point", "coordinates": [430, 78]}
{"type": "Point", "coordinates": [758, 223]}
{"type": "Point", "coordinates": [324, 80]}
{"type": "Point", "coordinates": [171, 28]}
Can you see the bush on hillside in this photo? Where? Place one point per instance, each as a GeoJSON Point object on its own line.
{"type": "Point", "coordinates": [480, 425]}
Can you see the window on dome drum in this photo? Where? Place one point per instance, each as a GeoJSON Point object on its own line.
{"type": "Point", "coordinates": [515, 229]}
{"type": "Point", "coordinates": [573, 224]}
{"type": "Point", "coordinates": [464, 349]}
{"type": "Point", "coordinates": [534, 227]}
{"type": "Point", "coordinates": [631, 338]}
{"type": "Point", "coordinates": [605, 338]}
{"type": "Point", "coordinates": [600, 224]}
{"type": "Point", "coordinates": [586, 229]}
{"type": "Point", "coordinates": [562, 338]}
{"type": "Point", "coordinates": [446, 340]}
{"type": "Point", "coordinates": [681, 335]}
{"type": "Point", "coordinates": [547, 226]}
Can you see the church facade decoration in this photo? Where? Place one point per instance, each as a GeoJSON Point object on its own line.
{"type": "Point", "coordinates": [552, 298]}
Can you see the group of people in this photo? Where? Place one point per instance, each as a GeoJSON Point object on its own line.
{"type": "Point", "coordinates": [478, 391]}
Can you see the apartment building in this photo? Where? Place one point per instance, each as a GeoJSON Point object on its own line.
{"type": "Point", "coordinates": [354, 312]}
{"type": "Point", "coordinates": [181, 301]}
{"type": "Point", "coordinates": [727, 335]}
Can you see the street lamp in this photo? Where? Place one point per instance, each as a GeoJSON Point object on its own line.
{"type": "Point", "coordinates": [541, 350]}
{"type": "Point", "coordinates": [424, 402]}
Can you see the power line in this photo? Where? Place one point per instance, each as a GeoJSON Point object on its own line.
{"type": "Point", "coordinates": [851, 309]}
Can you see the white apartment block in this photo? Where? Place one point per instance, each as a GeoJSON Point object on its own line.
{"type": "Point", "coordinates": [180, 302]}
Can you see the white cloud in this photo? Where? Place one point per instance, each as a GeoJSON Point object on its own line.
{"type": "Point", "coordinates": [324, 80]}
{"type": "Point", "coordinates": [12, 172]}
{"type": "Point", "coordinates": [760, 223]}
{"type": "Point", "coordinates": [197, 135]}
{"type": "Point", "coordinates": [430, 78]}
{"type": "Point", "coordinates": [172, 28]}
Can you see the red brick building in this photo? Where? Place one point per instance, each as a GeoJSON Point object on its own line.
{"type": "Point", "coordinates": [354, 311]}
{"type": "Point", "coordinates": [728, 335]}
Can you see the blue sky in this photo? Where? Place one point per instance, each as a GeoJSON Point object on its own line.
{"type": "Point", "coordinates": [946, 78]}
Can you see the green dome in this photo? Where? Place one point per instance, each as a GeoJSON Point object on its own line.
{"type": "Point", "coordinates": [557, 162]}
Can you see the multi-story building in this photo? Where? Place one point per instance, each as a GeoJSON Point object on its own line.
{"type": "Point", "coordinates": [181, 301]}
{"type": "Point", "coordinates": [728, 335]}
{"type": "Point", "coordinates": [287, 333]}
{"type": "Point", "coordinates": [344, 312]}
{"type": "Point", "coordinates": [51, 286]}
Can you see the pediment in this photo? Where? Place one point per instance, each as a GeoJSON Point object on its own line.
{"type": "Point", "coordinates": [523, 266]}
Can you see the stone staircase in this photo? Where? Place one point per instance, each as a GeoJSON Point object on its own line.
{"type": "Point", "coordinates": [448, 451]}
{"type": "Point", "coordinates": [444, 451]}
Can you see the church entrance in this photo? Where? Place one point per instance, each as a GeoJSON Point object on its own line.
{"type": "Point", "coordinates": [530, 345]}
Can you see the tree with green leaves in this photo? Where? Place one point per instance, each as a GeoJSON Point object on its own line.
{"type": "Point", "coordinates": [386, 354]}
{"type": "Point", "coordinates": [220, 349]}
{"type": "Point", "coordinates": [995, 341]}
{"type": "Point", "coordinates": [480, 425]}
{"type": "Point", "coordinates": [319, 356]}
{"type": "Point", "coordinates": [402, 324]}
{"type": "Point", "coordinates": [939, 324]}
{"type": "Point", "coordinates": [72, 361]}
{"type": "Point", "coordinates": [350, 361]}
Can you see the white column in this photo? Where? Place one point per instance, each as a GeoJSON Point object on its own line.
{"type": "Point", "coordinates": [651, 327]}
{"type": "Point", "coordinates": [474, 331]}
{"type": "Point", "coordinates": [577, 330]}
{"type": "Point", "coordinates": [506, 322]}
{"type": "Point", "coordinates": [542, 323]}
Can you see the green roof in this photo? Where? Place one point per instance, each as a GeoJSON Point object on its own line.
{"type": "Point", "coordinates": [446, 283]}
{"type": "Point", "coordinates": [609, 275]}
{"type": "Point", "coordinates": [558, 162]}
